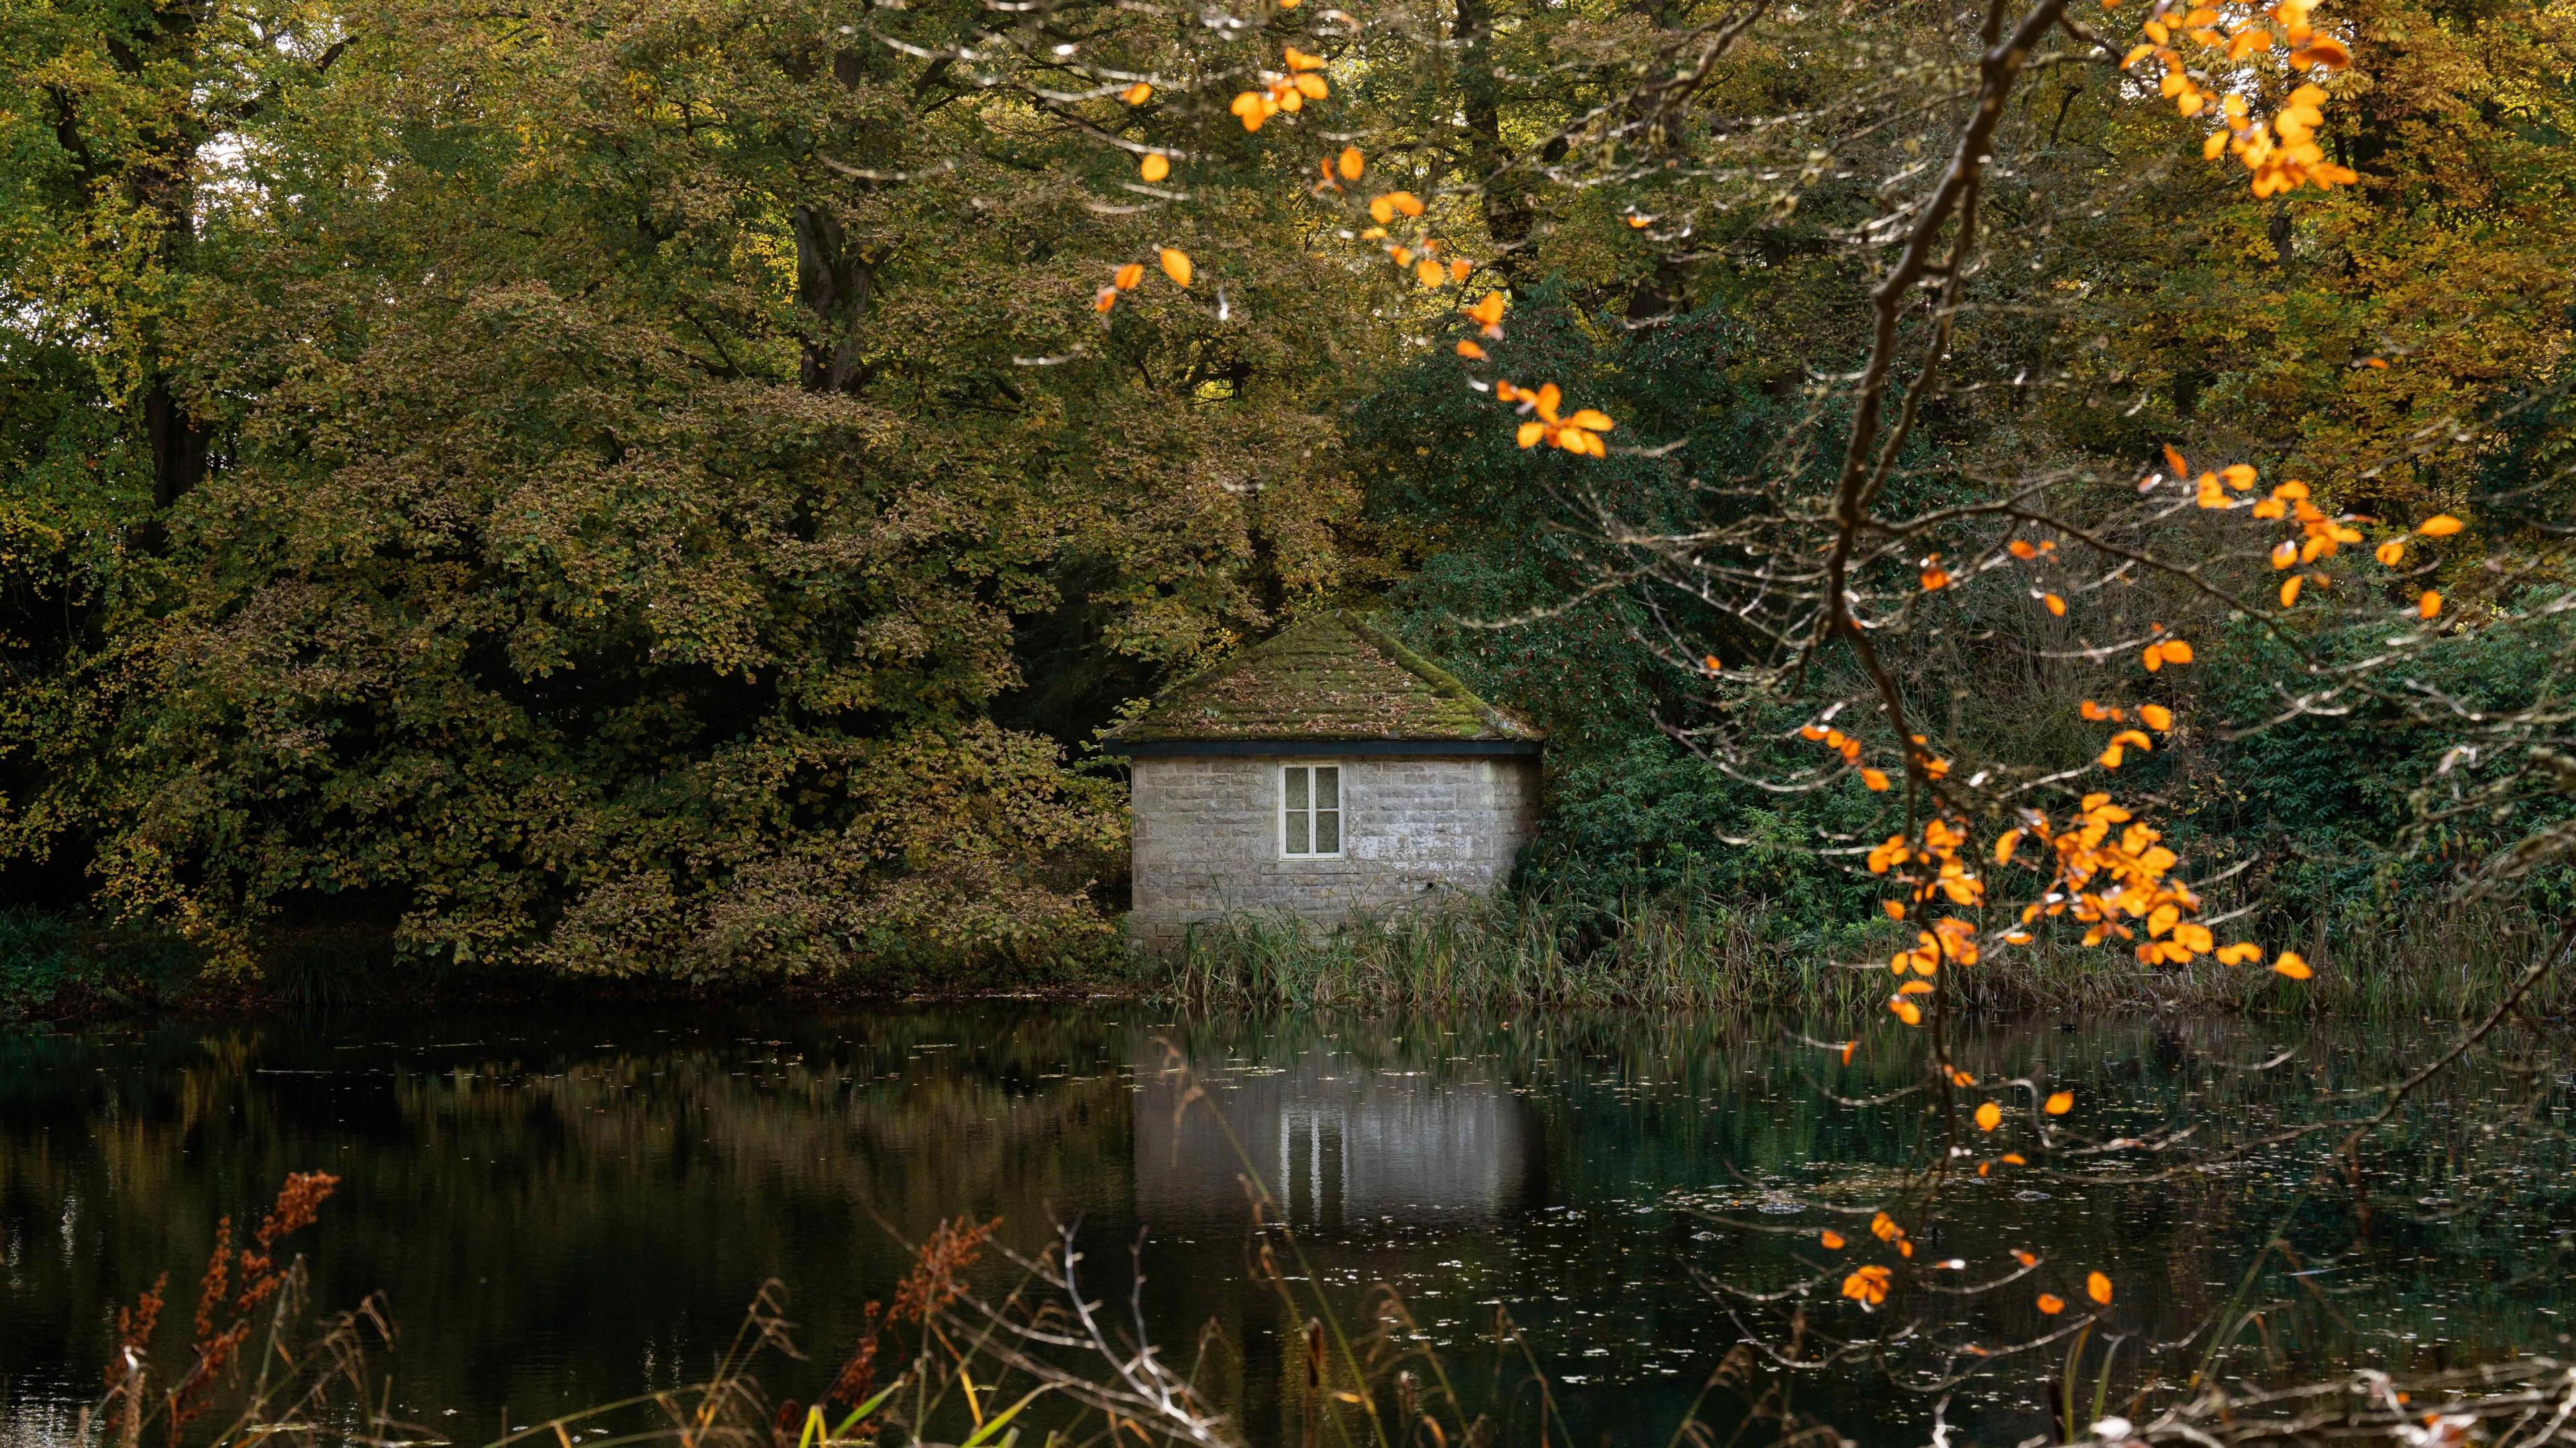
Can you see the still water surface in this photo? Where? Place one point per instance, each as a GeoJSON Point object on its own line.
{"type": "Point", "coordinates": [568, 1210]}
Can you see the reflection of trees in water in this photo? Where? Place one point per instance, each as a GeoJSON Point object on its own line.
{"type": "Point", "coordinates": [535, 1207]}
{"type": "Point", "coordinates": [555, 1210]}
{"type": "Point", "coordinates": [1625, 1113]}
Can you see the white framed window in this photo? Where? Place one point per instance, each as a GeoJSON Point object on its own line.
{"type": "Point", "coordinates": [1310, 810]}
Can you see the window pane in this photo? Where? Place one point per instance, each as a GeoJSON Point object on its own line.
{"type": "Point", "coordinates": [1296, 788]}
{"type": "Point", "coordinates": [1328, 787]}
{"type": "Point", "coordinates": [1293, 816]}
{"type": "Point", "coordinates": [1328, 832]}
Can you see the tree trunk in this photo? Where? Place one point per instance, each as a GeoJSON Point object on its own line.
{"type": "Point", "coordinates": [833, 282]}
{"type": "Point", "coordinates": [1506, 201]}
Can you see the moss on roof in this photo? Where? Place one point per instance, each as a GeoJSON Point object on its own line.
{"type": "Point", "coordinates": [1331, 675]}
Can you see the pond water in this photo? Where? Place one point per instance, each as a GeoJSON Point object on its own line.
{"type": "Point", "coordinates": [566, 1210]}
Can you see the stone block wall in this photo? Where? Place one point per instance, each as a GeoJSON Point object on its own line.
{"type": "Point", "coordinates": [1413, 830]}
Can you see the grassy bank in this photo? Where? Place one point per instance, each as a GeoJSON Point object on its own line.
{"type": "Point", "coordinates": [1698, 952]}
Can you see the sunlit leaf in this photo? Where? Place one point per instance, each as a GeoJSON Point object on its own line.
{"type": "Point", "coordinates": [1176, 265]}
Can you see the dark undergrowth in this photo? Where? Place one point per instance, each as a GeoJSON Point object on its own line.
{"type": "Point", "coordinates": [1676, 950]}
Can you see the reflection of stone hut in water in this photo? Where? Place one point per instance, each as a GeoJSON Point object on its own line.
{"type": "Point", "coordinates": [1334, 1141]}
{"type": "Point", "coordinates": [1327, 770]}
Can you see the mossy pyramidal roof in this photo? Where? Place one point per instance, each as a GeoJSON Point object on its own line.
{"type": "Point", "coordinates": [1331, 675]}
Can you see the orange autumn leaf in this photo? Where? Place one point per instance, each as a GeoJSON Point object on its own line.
{"type": "Point", "coordinates": [2156, 717]}
{"type": "Point", "coordinates": [2290, 588]}
{"type": "Point", "coordinates": [1470, 350]}
{"type": "Point", "coordinates": [2323, 50]}
{"type": "Point", "coordinates": [2050, 1304]}
{"type": "Point", "coordinates": [1155, 166]}
{"type": "Point", "coordinates": [1895, 908]}
{"type": "Point", "coordinates": [1176, 265]}
{"type": "Point", "coordinates": [1868, 1286]}
{"type": "Point", "coordinates": [1129, 275]}
{"type": "Point", "coordinates": [2390, 553]}
{"type": "Point", "coordinates": [2163, 652]}
{"type": "Point", "coordinates": [2440, 525]}
{"type": "Point", "coordinates": [2005, 844]}
{"type": "Point", "coordinates": [1351, 163]}
{"type": "Point", "coordinates": [1989, 1116]}
{"type": "Point", "coordinates": [2056, 605]}
{"type": "Point", "coordinates": [1430, 273]}
{"type": "Point", "coordinates": [1876, 779]}
{"type": "Point", "coordinates": [2027, 1259]}
{"type": "Point", "coordinates": [2428, 605]}
{"type": "Point", "coordinates": [2098, 1287]}
{"type": "Point", "coordinates": [2291, 965]}
{"type": "Point", "coordinates": [1137, 94]}
{"type": "Point", "coordinates": [1906, 1010]}
{"type": "Point", "coordinates": [1832, 1239]}
{"type": "Point", "coordinates": [2059, 1103]}
{"type": "Point", "coordinates": [1104, 299]}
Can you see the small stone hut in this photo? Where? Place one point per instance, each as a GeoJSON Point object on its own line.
{"type": "Point", "coordinates": [1327, 770]}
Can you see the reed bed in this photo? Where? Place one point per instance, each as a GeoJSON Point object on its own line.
{"type": "Point", "coordinates": [1699, 952]}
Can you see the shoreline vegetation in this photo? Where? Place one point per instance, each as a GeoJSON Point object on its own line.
{"type": "Point", "coordinates": [1677, 950]}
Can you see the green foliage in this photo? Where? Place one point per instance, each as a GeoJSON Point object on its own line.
{"type": "Point", "coordinates": [1634, 813]}
{"type": "Point", "coordinates": [52, 969]}
{"type": "Point", "coordinates": [2331, 806]}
